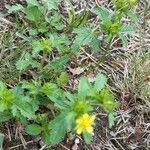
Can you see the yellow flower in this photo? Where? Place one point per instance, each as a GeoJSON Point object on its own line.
{"type": "Point", "coordinates": [84, 123]}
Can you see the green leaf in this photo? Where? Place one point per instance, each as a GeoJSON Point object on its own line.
{"type": "Point", "coordinates": [37, 47]}
{"type": "Point", "coordinates": [69, 120]}
{"type": "Point", "coordinates": [33, 13]}
{"type": "Point", "coordinates": [133, 16]}
{"type": "Point", "coordinates": [59, 63]}
{"type": "Point", "coordinates": [27, 39]}
{"type": "Point", "coordinates": [33, 32]}
{"type": "Point", "coordinates": [124, 39]}
{"type": "Point", "coordinates": [58, 133]}
{"type": "Point", "coordinates": [103, 13]}
{"type": "Point", "coordinates": [32, 2]}
{"type": "Point", "coordinates": [49, 89]}
{"type": "Point", "coordinates": [69, 96]}
{"type": "Point", "coordinates": [23, 106]}
{"type": "Point", "coordinates": [52, 4]}
{"type": "Point", "coordinates": [76, 21]}
{"type": "Point", "coordinates": [33, 129]}
{"type": "Point", "coordinates": [3, 106]}
{"type": "Point", "coordinates": [55, 20]}
{"type": "Point", "coordinates": [83, 88]}
{"type": "Point", "coordinates": [87, 137]}
{"type": "Point", "coordinates": [43, 27]}
{"type": "Point", "coordinates": [6, 97]}
{"type": "Point", "coordinates": [14, 8]}
{"type": "Point", "coordinates": [63, 78]}
{"type": "Point", "coordinates": [61, 43]}
{"type": "Point", "coordinates": [84, 36]}
{"type": "Point", "coordinates": [5, 116]}
{"type": "Point", "coordinates": [58, 128]}
{"type": "Point", "coordinates": [127, 29]}
{"type": "Point", "coordinates": [107, 100]}
{"type": "Point", "coordinates": [2, 86]}
{"type": "Point", "coordinates": [111, 119]}
{"type": "Point", "coordinates": [1, 141]}
{"type": "Point", "coordinates": [100, 82]}
{"type": "Point", "coordinates": [54, 94]}
{"type": "Point", "coordinates": [24, 62]}
{"type": "Point", "coordinates": [33, 87]}
{"type": "Point", "coordinates": [46, 136]}
{"type": "Point", "coordinates": [95, 44]}
{"type": "Point", "coordinates": [44, 45]}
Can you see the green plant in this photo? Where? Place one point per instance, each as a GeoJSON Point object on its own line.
{"type": "Point", "coordinates": [50, 40]}
{"type": "Point", "coordinates": [22, 103]}
{"type": "Point", "coordinates": [67, 36]}
{"type": "Point", "coordinates": [112, 22]}
{"type": "Point", "coordinates": [1, 141]}
{"type": "Point", "coordinates": [140, 68]}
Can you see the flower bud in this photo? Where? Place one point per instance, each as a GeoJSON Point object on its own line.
{"type": "Point", "coordinates": [132, 2]}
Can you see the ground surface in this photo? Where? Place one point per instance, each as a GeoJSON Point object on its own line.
{"type": "Point", "coordinates": [132, 129]}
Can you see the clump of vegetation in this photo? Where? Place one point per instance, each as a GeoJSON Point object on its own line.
{"type": "Point", "coordinates": [141, 70]}
{"type": "Point", "coordinates": [72, 111]}
{"type": "Point", "coordinates": [50, 39]}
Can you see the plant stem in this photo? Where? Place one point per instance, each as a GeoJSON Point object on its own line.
{"type": "Point", "coordinates": [43, 59]}
{"type": "Point", "coordinates": [107, 50]}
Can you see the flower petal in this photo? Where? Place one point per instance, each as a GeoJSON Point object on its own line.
{"type": "Point", "coordinates": [85, 122]}
{"type": "Point", "coordinates": [89, 129]}
{"type": "Point", "coordinates": [79, 121]}
{"type": "Point", "coordinates": [79, 130]}
{"type": "Point", "coordinates": [85, 116]}
{"type": "Point", "coordinates": [92, 118]}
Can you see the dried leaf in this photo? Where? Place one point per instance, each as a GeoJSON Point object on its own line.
{"type": "Point", "coordinates": [76, 71]}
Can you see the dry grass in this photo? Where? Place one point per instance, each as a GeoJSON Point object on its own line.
{"type": "Point", "coordinates": [129, 73]}
{"type": "Point", "coordinates": [8, 54]}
